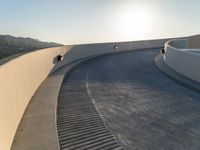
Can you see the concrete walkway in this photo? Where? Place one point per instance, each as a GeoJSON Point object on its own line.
{"type": "Point", "coordinates": [140, 106]}
{"type": "Point", "coordinates": [38, 127]}
{"type": "Point", "coordinates": [111, 102]}
{"type": "Point", "coordinates": [79, 125]}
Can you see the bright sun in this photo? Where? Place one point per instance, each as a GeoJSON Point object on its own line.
{"type": "Point", "coordinates": [135, 23]}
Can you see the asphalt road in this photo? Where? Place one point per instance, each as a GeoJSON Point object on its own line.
{"type": "Point", "coordinates": [141, 107]}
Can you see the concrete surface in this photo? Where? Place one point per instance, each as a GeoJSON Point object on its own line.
{"type": "Point", "coordinates": [142, 108]}
{"type": "Point", "coordinates": [38, 126]}
{"type": "Point", "coordinates": [194, 42]}
{"type": "Point", "coordinates": [79, 124]}
{"type": "Point", "coordinates": [21, 77]}
{"type": "Point", "coordinates": [19, 80]}
{"type": "Point", "coordinates": [38, 130]}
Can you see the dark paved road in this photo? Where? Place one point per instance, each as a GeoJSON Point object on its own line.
{"type": "Point", "coordinates": [141, 107]}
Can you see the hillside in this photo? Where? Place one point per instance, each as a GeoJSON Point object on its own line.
{"type": "Point", "coordinates": [10, 45]}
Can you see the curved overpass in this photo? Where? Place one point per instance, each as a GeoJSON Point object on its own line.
{"type": "Point", "coordinates": [126, 97]}
{"type": "Point", "coordinates": [21, 77]}
{"type": "Point", "coordinates": [133, 89]}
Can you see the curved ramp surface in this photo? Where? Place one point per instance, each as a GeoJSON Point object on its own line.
{"type": "Point", "coordinates": [123, 99]}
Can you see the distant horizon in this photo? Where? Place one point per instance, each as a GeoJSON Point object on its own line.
{"type": "Point", "coordinates": [94, 21]}
{"type": "Point", "coordinates": [98, 42]}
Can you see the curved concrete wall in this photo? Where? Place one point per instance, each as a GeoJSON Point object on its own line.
{"type": "Point", "coordinates": [183, 60]}
{"type": "Point", "coordinates": [82, 51]}
{"type": "Point", "coordinates": [194, 42]}
{"type": "Point", "coordinates": [20, 78]}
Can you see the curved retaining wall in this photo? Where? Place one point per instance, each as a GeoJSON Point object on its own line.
{"type": "Point", "coordinates": [194, 42]}
{"type": "Point", "coordinates": [183, 60]}
{"type": "Point", "coordinates": [20, 77]}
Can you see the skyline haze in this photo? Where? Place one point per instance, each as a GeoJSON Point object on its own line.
{"type": "Point", "coordinates": [94, 21]}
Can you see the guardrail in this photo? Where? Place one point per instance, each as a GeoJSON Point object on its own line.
{"type": "Point", "coordinates": [182, 59]}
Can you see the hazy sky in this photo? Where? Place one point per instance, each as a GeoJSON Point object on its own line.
{"type": "Point", "coordinates": [88, 21]}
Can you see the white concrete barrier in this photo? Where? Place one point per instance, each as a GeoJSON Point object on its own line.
{"type": "Point", "coordinates": [20, 77]}
{"type": "Point", "coordinates": [82, 51]}
{"type": "Point", "coordinates": [182, 59]}
{"type": "Point", "coordinates": [194, 42]}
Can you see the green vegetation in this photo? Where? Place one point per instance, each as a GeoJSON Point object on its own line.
{"type": "Point", "coordinates": [10, 45]}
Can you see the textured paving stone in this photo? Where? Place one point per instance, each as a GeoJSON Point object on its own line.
{"type": "Point", "coordinates": [140, 106]}
{"type": "Point", "coordinates": [79, 124]}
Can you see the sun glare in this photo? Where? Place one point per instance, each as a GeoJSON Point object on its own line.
{"type": "Point", "coordinates": [135, 23]}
